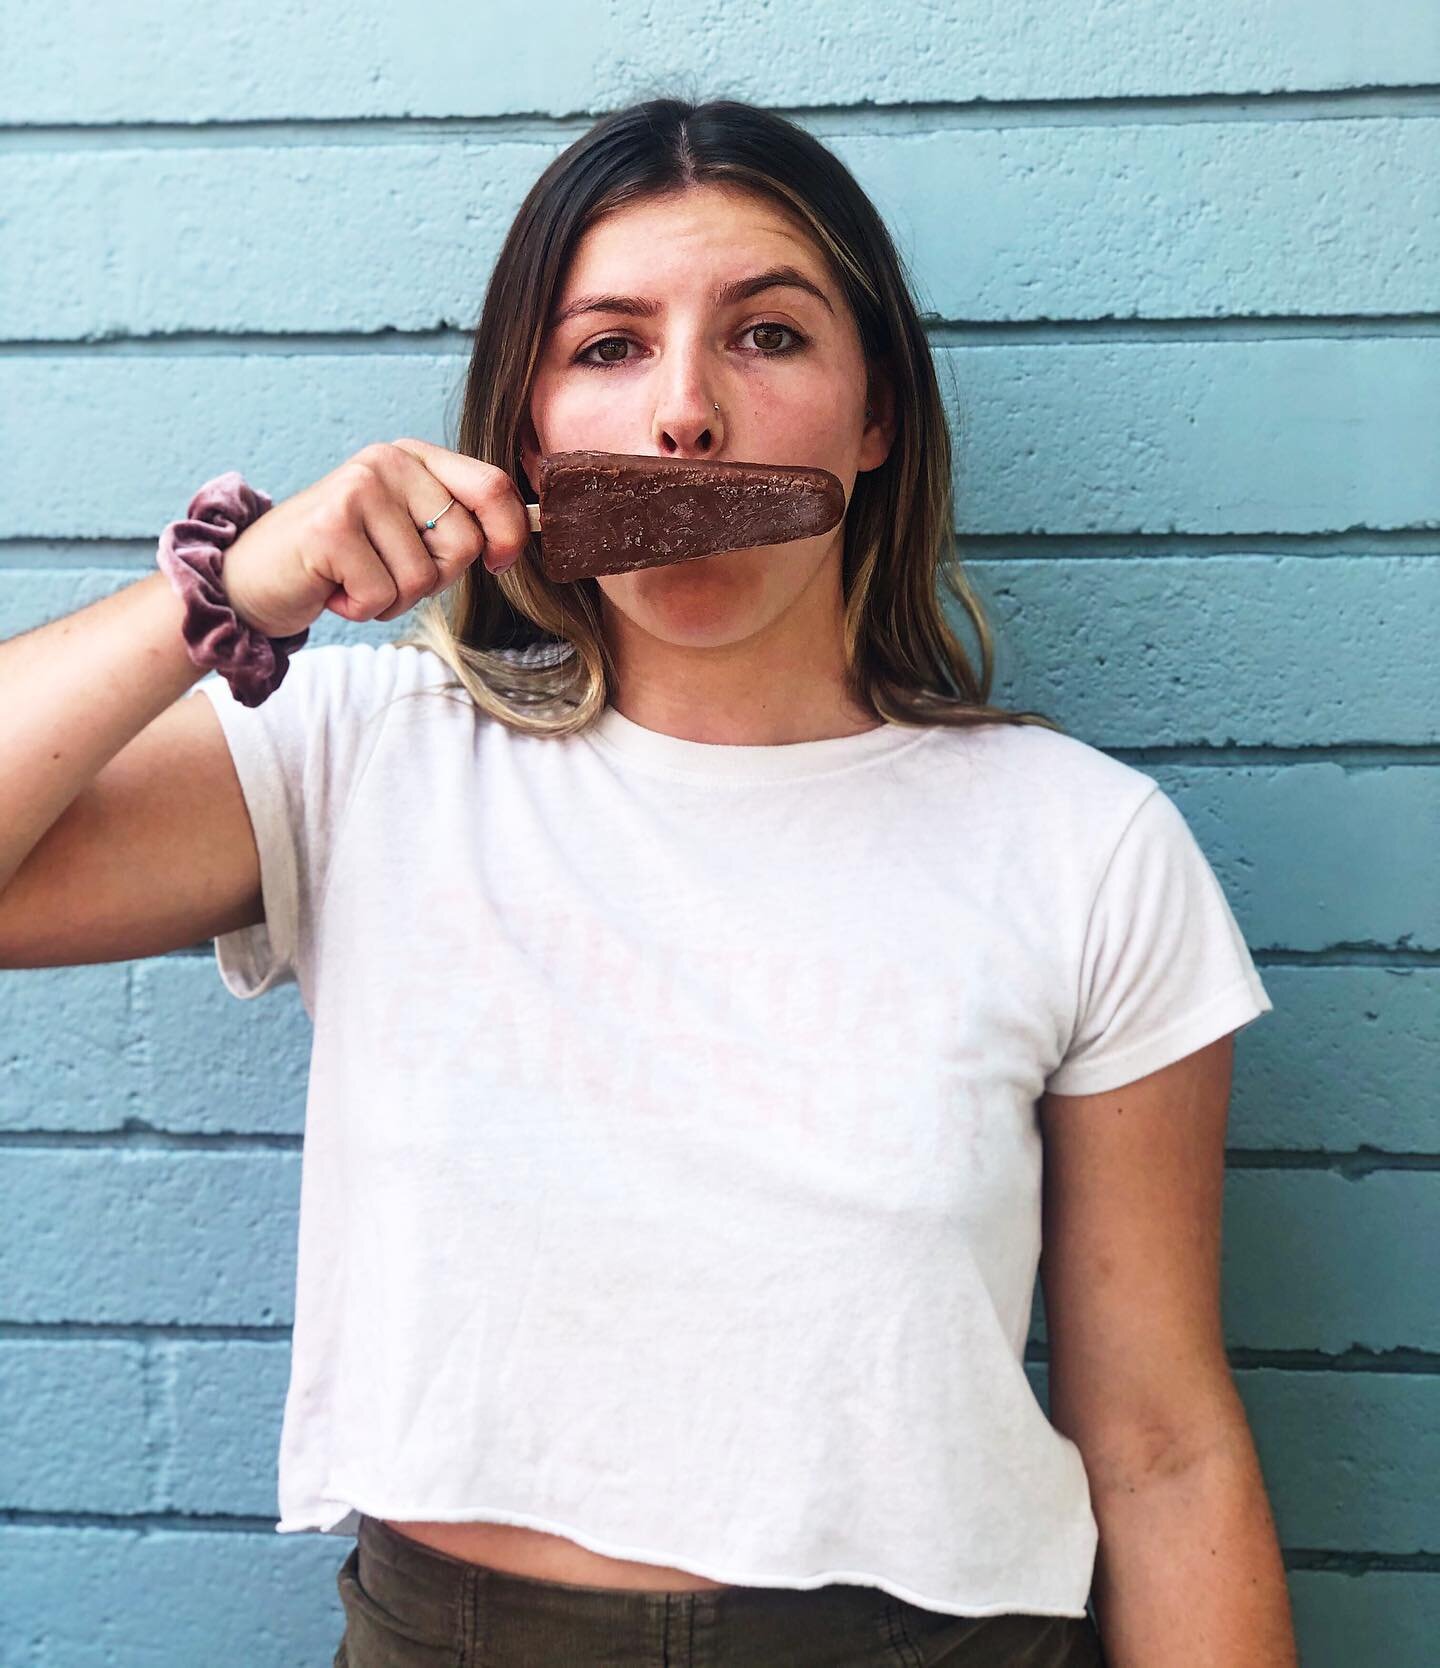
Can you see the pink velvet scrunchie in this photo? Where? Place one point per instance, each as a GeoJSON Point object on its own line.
{"type": "Point", "coordinates": [192, 554]}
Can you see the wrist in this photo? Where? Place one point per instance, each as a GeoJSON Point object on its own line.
{"type": "Point", "coordinates": [191, 553]}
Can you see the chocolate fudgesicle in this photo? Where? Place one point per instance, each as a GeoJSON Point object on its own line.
{"type": "Point", "coordinates": [612, 512]}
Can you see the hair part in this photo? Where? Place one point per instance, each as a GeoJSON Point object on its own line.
{"type": "Point", "coordinates": [531, 652]}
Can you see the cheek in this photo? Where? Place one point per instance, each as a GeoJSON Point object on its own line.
{"type": "Point", "coordinates": [808, 421]}
{"type": "Point", "coordinates": [560, 399]}
{"type": "Point", "coordinates": [584, 413]}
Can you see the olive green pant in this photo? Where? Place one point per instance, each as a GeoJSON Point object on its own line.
{"type": "Point", "coordinates": [408, 1606]}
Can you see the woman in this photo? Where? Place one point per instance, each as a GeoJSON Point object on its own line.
{"type": "Point", "coordinates": [693, 983]}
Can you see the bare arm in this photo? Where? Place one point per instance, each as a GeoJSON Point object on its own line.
{"type": "Point", "coordinates": [1139, 1376]}
{"type": "Point", "coordinates": [124, 830]}
{"type": "Point", "coordinates": [73, 693]}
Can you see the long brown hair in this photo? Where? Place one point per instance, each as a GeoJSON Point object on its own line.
{"type": "Point", "coordinates": [532, 653]}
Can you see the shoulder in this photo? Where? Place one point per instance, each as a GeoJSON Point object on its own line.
{"type": "Point", "coordinates": [333, 686]}
{"type": "Point", "coordinates": [378, 664]}
{"type": "Point", "coordinates": [1047, 770]}
{"type": "Point", "coordinates": [359, 675]}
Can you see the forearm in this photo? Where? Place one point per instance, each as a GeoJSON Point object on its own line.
{"type": "Point", "coordinates": [1188, 1569]}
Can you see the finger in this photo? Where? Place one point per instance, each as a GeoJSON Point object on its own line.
{"type": "Point", "coordinates": [415, 569]}
{"type": "Point", "coordinates": [457, 538]}
{"type": "Point", "coordinates": [364, 585]}
{"type": "Point", "coordinates": [483, 488]}
{"type": "Point", "coordinates": [367, 585]}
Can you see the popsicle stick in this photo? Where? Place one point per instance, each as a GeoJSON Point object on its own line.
{"type": "Point", "coordinates": [533, 511]}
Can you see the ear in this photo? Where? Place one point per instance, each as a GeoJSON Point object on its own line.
{"type": "Point", "coordinates": [879, 432]}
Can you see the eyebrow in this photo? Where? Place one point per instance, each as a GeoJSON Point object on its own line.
{"type": "Point", "coordinates": [740, 289]}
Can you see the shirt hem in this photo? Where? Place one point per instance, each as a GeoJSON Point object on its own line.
{"type": "Point", "coordinates": [1031, 1605]}
{"type": "Point", "coordinates": [255, 959]}
{"type": "Point", "coordinates": [1231, 1009]}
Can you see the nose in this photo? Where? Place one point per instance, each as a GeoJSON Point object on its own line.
{"type": "Point", "coordinates": [687, 420]}
{"type": "Point", "coordinates": [688, 434]}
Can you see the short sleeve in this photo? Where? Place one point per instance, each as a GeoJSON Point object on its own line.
{"type": "Point", "coordinates": [297, 756]}
{"type": "Point", "coordinates": [1164, 967]}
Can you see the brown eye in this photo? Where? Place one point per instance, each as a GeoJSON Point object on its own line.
{"type": "Point", "coordinates": [771, 328]}
{"type": "Point", "coordinates": [618, 358]}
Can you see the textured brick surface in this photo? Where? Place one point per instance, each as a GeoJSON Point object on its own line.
{"type": "Point", "coordinates": [1280, 436]}
{"type": "Point", "coordinates": [1119, 220]}
{"type": "Point", "coordinates": [147, 62]}
{"type": "Point", "coordinates": [1185, 333]}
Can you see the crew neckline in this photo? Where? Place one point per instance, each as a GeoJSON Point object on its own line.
{"type": "Point", "coordinates": [753, 761]}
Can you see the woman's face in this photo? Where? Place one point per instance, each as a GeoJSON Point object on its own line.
{"type": "Point", "coordinates": [784, 365]}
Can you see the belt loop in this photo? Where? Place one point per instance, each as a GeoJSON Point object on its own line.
{"type": "Point", "coordinates": [470, 1622]}
{"type": "Point", "coordinates": [678, 1641]}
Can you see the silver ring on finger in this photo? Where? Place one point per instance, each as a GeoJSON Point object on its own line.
{"type": "Point", "coordinates": [434, 518]}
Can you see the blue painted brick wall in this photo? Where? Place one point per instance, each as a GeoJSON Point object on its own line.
{"type": "Point", "coordinates": [1181, 268]}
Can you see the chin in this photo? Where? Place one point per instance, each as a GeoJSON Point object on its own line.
{"type": "Point", "coordinates": [706, 601]}
{"type": "Point", "coordinates": [726, 573]}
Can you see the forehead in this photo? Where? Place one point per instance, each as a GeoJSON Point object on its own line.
{"type": "Point", "coordinates": [631, 242]}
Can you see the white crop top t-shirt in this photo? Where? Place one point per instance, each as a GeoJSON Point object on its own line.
{"type": "Point", "coordinates": [671, 1169]}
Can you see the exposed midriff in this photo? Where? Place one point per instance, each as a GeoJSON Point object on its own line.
{"type": "Point", "coordinates": [545, 1557]}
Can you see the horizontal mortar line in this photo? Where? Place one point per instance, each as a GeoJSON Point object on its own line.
{"type": "Point", "coordinates": [1257, 327]}
{"type": "Point", "coordinates": [979, 548]}
{"type": "Point", "coordinates": [855, 119]}
{"type": "Point", "coordinates": [1258, 108]}
{"type": "Point", "coordinates": [457, 341]}
{"type": "Point", "coordinates": [180, 1523]}
{"type": "Point", "coordinates": [90, 1332]}
{"type": "Point", "coordinates": [975, 550]}
{"type": "Point", "coordinates": [1348, 755]}
{"type": "Point", "coordinates": [1356, 1163]}
{"type": "Point", "coordinates": [1419, 1363]}
{"type": "Point", "coordinates": [1400, 1361]}
{"type": "Point", "coordinates": [1316, 1560]}
{"type": "Point", "coordinates": [146, 1139]}
{"type": "Point", "coordinates": [1394, 958]}
{"type": "Point", "coordinates": [1354, 1166]}
{"type": "Point", "coordinates": [1338, 1561]}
